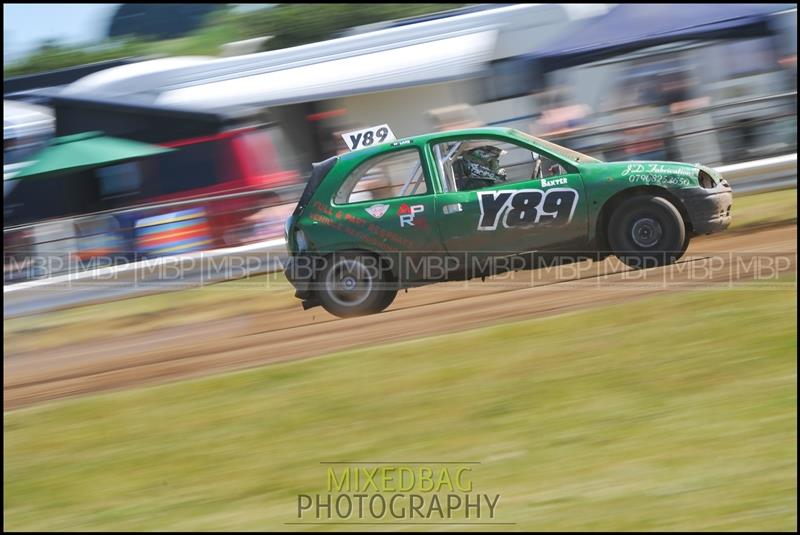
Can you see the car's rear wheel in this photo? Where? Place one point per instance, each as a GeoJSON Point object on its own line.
{"type": "Point", "coordinates": [647, 231]}
{"type": "Point", "coordinates": [353, 284]}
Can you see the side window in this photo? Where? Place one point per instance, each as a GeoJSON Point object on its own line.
{"type": "Point", "coordinates": [119, 180]}
{"type": "Point", "coordinates": [470, 164]}
{"type": "Point", "coordinates": [396, 174]}
{"type": "Point", "coordinates": [509, 78]}
{"type": "Point", "coordinates": [190, 167]}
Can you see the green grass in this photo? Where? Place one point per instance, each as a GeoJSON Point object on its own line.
{"type": "Point", "coordinates": [762, 209]}
{"type": "Point", "coordinates": [673, 413]}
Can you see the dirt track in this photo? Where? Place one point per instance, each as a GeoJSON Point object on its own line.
{"type": "Point", "coordinates": [291, 333]}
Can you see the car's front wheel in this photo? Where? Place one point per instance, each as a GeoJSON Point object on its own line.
{"type": "Point", "coordinates": [353, 284]}
{"type": "Point", "coordinates": [647, 231]}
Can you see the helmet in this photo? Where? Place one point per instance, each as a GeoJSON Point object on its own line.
{"type": "Point", "coordinates": [482, 163]}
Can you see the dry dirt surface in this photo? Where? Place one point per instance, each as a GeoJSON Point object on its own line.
{"type": "Point", "coordinates": [119, 362]}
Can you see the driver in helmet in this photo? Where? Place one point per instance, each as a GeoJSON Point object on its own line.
{"type": "Point", "coordinates": [479, 167]}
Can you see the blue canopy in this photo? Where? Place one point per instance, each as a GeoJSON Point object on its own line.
{"type": "Point", "coordinates": [629, 27]}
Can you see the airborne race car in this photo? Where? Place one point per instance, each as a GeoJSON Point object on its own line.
{"type": "Point", "coordinates": [436, 207]}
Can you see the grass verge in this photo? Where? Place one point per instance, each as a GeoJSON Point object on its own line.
{"type": "Point", "coordinates": [673, 413]}
{"type": "Point", "coordinates": [764, 209]}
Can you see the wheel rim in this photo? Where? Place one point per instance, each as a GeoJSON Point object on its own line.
{"type": "Point", "coordinates": [348, 283]}
{"type": "Point", "coordinates": [646, 232]}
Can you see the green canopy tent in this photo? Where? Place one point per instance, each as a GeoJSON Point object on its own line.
{"type": "Point", "coordinates": [83, 151]}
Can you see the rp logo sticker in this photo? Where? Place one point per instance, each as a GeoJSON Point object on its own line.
{"type": "Point", "coordinates": [408, 213]}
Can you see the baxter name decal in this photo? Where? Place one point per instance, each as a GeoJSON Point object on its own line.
{"type": "Point", "coordinates": [526, 207]}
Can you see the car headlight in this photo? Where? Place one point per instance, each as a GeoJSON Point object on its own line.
{"type": "Point", "coordinates": [706, 180]}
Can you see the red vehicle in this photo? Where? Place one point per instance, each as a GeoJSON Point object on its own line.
{"type": "Point", "coordinates": [220, 154]}
{"type": "Point", "coordinates": [232, 162]}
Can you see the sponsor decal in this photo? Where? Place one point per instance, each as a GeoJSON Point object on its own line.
{"type": "Point", "coordinates": [407, 213]}
{"type": "Point", "coordinates": [653, 173]}
{"type": "Point", "coordinates": [554, 182]}
{"type": "Point", "coordinates": [367, 137]}
{"type": "Point", "coordinates": [377, 210]}
{"type": "Point", "coordinates": [526, 207]}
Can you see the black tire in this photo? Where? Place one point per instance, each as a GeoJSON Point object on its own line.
{"type": "Point", "coordinates": [647, 231]}
{"type": "Point", "coordinates": [354, 284]}
{"type": "Point", "coordinates": [389, 296]}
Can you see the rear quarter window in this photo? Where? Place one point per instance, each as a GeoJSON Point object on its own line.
{"type": "Point", "coordinates": [386, 176]}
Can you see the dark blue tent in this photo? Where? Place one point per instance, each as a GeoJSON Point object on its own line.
{"type": "Point", "coordinates": [630, 27]}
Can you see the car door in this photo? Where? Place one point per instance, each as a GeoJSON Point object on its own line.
{"type": "Point", "coordinates": [540, 206]}
{"type": "Point", "coordinates": [386, 205]}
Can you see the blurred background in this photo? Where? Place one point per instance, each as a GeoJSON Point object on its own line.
{"type": "Point", "coordinates": [248, 96]}
{"type": "Point", "coordinates": [152, 149]}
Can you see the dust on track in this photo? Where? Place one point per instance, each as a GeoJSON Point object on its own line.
{"type": "Point", "coordinates": [291, 333]}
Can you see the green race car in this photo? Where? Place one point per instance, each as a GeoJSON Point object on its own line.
{"type": "Point", "coordinates": [449, 205]}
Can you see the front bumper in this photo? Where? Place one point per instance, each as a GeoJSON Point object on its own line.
{"type": "Point", "coordinates": [709, 210]}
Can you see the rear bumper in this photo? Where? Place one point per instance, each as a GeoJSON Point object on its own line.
{"type": "Point", "coordinates": [709, 209]}
{"type": "Point", "coordinates": [299, 271]}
